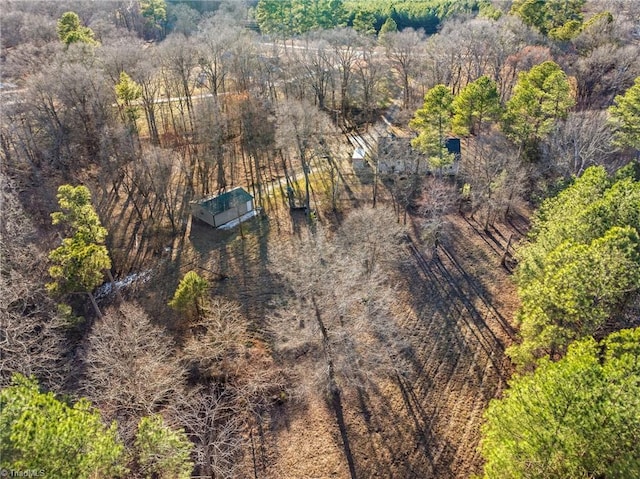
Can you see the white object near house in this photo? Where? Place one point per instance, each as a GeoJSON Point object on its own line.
{"type": "Point", "coordinates": [358, 158]}
{"type": "Point", "coordinates": [225, 208]}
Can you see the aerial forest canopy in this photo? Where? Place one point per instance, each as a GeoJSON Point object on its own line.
{"type": "Point", "coordinates": [541, 97]}
{"type": "Point", "coordinates": [578, 417]}
{"type": "Point", "coordinates": [581, 264]}
{"type": "Point", "coordinates": [429, 207]}
{"type": "Point", "coordinates": [41, 433]}
{"type": "Point", "coordinates": [46, 435]}
{"type": "Point", "coordinates": [625, 117]}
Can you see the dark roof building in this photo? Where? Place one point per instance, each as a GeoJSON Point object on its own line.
{"type": "Point", "coordinates": [221, 209]}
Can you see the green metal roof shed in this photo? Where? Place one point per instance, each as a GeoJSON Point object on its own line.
{"type": "Point", "coordinates": [223, 208]}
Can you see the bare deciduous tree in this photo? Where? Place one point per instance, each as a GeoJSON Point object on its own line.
{"type": "Point", "coordinates": [215, 39]}
{"type": "Point", "coordinates": [145, 76]}
{"type": "Point", "coordinates": [156, 185]}
{"type": "Point", "coordinates": [179, 57]}
{"type": "Point", "coordinates": [215, 423]}
{"type": "Point", "coordinates": [370, 73]}
{"type": "Point", "coordinates": [244, 55]}
{"type": "Point", "coordinates": [582, 140]}
{"type": "Point", "coordinates": [131, 367]}
{"type": "Point", "coordinates": [257, 139]}
{"type": "Point", "coordinates": [403, 51]}
{"type": "Point", "coordinates": [437, 199]}
{"type": "Point", "coordinates": [345, 44]}
{"type": "Point", "coordinates": [464, 51]}
{"type": "Point", "coordinates": [344, 302]}
{"type": "Point", "coordinates": [238, 382]}
{"type": "Point", "coordinates": [446, 56]}
{"type": "Point", "coordinates": [497, 181]}
{"type": "Point", "coordinates": [123, 55]}
{"type": "Point", "coordinates": [303, 129]}
{"type": "Point", "coordinates": [606, 71]}
{"type": "Point", "coordinates": [370, 237]}
{"type": "Point", "coordinates": [220, 335]}
{"type": "Point", "coordinates": [32, 339]}
{"type": "Point", "coordinates": [224, 46]}
{"type": "Point", "coordinates": [314, 67]}
{"type": "Point", "coordinates": [404, 188]}
{"type": "Point", "coordinates": [213, 127]}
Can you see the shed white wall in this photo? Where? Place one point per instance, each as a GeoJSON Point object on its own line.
{"type": "Point", "coordinates": [203, 215]}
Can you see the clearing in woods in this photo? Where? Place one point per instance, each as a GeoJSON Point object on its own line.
{"type": "Point", "coordinates": [455, 310]}
{"type": "Point", "coordinates": [424, 423]}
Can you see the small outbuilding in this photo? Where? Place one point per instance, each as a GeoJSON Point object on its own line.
{"type": "Point", "coordinates": [233, 205]}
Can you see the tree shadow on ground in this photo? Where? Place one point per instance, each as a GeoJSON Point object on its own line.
{"type": "Point", "coordinates": [390, 433]}
{"type": "Point", "coordinates": [457, 363]}
{"type": "Point", "coordinates": [241, 258]}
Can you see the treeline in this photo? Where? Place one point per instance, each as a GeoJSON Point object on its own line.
{"type": "Point", "coordinates": [573, 414]}
{"type": "Point", "coordinates": [151, 20]}
{"type": "Point", "coordinates": [70, 440]}
{"type": "Point", "coordinates": [582, 264]}
{"type": "Point", "coordinates": [507, 143]}
{"type": "Point", "coordinates": [427, 15]}
{"type": "Point", "coordinates": [579, 282]}
{"type": "Point", "coordinates": [295, 17]}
